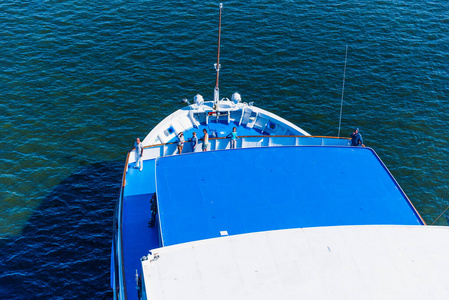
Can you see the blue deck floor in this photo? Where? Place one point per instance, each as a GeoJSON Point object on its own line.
{"type": "Point", "coordinates": [138, 238]}
{"type": "Point", "coordinates": [141, 182]}
{"type": "Point", "coordinates": [258, 189]}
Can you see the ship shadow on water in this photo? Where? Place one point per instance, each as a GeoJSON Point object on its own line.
{"type": "Point", "coordinates": [64, 251]}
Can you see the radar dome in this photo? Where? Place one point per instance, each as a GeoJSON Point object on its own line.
{"type": "Point", "coordinates": [236, 98]}
{"type": "Point", "coordinates": [198, 100]}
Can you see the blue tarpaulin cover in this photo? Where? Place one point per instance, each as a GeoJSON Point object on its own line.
{"type": "Point", "coordinates": [208, 194]}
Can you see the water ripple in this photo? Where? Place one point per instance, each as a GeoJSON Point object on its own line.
{"type": "Point", "coordinates": [80, 80]}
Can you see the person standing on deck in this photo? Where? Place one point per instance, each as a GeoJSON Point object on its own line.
{"type": "Point", "coordinates": [194, 141]}
{"type": "Point", "coordinates": [139, 154]}
{"type": "Point", "coordinates": [180, 142]}
{"type": "Point", "coordinates": [205, 140]}
{"type": "Point", "coordinates": [234, 137]}
{"type": "Point", "coordinates": [356, 138]}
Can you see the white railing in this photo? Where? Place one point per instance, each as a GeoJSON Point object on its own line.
{"type": "Point", "coordinates": [222, 143]}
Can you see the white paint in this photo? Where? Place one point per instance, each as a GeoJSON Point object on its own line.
{"type": "Point", "coordinates": [340, 262]}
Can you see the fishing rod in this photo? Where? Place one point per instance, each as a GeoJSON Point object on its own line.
{"type": "Point", "coordinates": [217, 65]}
{"type": "Point", "coordinates": [343, 90]}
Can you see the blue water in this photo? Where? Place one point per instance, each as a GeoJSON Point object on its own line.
{"type": "Point", "coordinates": [79, 80]}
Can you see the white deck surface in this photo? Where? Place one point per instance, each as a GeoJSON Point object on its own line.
{"type": "Point", "coordinates": [347, 262]}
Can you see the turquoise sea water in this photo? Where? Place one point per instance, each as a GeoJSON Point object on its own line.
{"type": "Point", "coordinates": [79, 80]}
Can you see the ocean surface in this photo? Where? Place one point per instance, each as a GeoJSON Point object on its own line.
{"type": "Point", "coordinates": [80, 80]}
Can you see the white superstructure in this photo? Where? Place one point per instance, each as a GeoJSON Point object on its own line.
{"type": "Point", "coordinates": [227, 112]}
{"type": "Point", "coordinates": [341, 262]}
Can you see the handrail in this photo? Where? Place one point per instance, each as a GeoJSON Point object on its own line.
{"type": "Point", "coordinates": [115, 275]}
{"type": "Point", "coordinates": [254, 136]}
{"type": "Point", "coordinates": [126, 168]}
{"type": "Point", "coordinates": [325, 140]}
{"type": "Point", "coordinates": [118, 227]}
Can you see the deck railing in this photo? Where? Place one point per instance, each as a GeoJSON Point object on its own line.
{"type": "Point", "coordinates": [119, 282]}
{"type": "Point", "coordinates": [249, 141]}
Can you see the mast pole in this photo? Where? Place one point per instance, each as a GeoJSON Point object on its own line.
{"type": "Point", "coordinates": [343, 91]}
{"type": "Point", "coordinates": [217, 65]}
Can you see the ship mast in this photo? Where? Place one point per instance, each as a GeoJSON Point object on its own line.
{"type": "Point", "coordinates": [217, 65]}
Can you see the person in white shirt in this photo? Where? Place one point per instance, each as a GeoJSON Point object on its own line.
{"type": "Point", "coordinates": [181, 141]}
{"type": "Point", "coordinates": [139, 154]}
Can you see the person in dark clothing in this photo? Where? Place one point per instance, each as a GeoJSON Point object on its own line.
{"type": "Point", "coordinates": [356, 138]}
{"type": "Point", "coordinates": [153, 208]}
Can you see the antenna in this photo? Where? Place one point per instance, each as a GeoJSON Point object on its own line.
{"type": "Point", "coordinates": [343, 90]}
{"type": "Point", "coordinates": [217, 65]}
{"type": "Point", "coordinates": [440, 215]}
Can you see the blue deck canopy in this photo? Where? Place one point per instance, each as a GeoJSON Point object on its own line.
{"type": "Point", "coordinates": [208, 194]}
